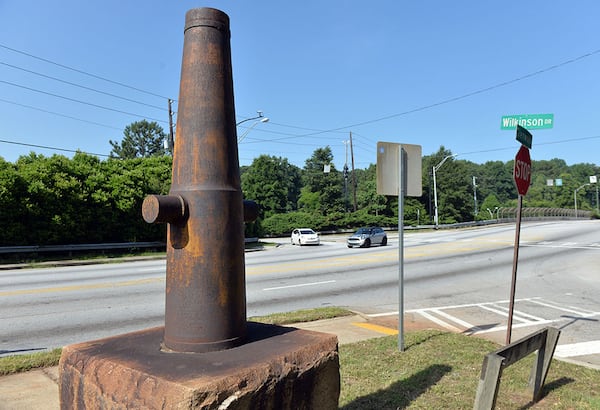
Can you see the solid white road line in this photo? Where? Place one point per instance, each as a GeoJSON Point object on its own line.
{"type": "Point", "coordinates": [578, 349]}
{"type": "Point", "coordinates": [300, 285]}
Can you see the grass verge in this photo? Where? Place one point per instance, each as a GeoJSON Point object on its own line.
{"type": "Point", "coordinates": [440, 370]}
{"type": "Point", "coordinates": [298, 316]}
{"type": "Point", "coordinates": [24, 362]}
{"type": "Point", "coordinates": [437, 370]}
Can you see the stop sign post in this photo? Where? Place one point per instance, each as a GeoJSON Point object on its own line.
{"type": "Point", "coordinates": [522, 177]}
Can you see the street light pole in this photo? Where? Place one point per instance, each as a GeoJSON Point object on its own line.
{"type": "Point", "coordinates": [475, 195]}
{"type": "Point", "coordinates": [594, 180]}
{"type": "Point", "coordinates": [259, 119]}
{"type": "Point", "coordinates": [435, 203]}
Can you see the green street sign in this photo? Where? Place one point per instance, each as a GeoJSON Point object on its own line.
{"type": "Point", "coordinates": [529, 121]}
{"type": "Point", "coordinates": [524, 136]}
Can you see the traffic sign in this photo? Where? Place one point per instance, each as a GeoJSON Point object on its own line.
{"type": "Point", "coordinates": [524, 136]}
{"type": "Point", "coordinates": [388, 169]}
{"type": "Point", "coordinates": [530, 121]}
{"type": "Point", "coordinates": [522, 170]}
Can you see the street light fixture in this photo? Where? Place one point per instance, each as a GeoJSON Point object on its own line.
{"type": "Point", "coordinates": [259, 119]}
{"type": "Point", "coordinates": [435, 202]}
{"type": "Point", "coordinates": [492, 213]}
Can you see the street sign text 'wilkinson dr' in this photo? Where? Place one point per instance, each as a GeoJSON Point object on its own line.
{"type": "Point", "coordinates": [529, 121]}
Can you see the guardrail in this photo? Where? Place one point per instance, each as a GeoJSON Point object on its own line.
{"type": "Point", "coordinates": [503, 215]}
{"type": "Point", "coordinates": [79, 247]}
{"type": "Point", "coordinates": [89, 247]}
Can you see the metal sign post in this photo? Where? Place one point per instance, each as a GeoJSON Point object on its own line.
{"type": "Point", "coordinates": [401, 193]}
{"type": "Point", "coordinates": [522, 177]}
{"type": "Point", "coordinates": [513, 283]}
{"type": "Point", "coordinates": [399, 173]}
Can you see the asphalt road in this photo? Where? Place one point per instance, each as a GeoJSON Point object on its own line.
{"type": "Point", "coordinates": [458, 279]}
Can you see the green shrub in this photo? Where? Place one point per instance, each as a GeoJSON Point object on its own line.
{"type": "Point", "coordinates": [283, 224]}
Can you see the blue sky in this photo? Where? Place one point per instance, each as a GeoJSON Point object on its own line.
{"type": "Point", "coordinates": [430, 73]}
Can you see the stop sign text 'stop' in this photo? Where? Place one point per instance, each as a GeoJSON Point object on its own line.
{"type": "Point", "coordinates": [522, 170]}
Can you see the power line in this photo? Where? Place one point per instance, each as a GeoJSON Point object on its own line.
{"type": "Point", "coordinates": [82, 102]}
{"type": "Point", "coordinates": [59, 114]}
{"type": "Point", "coordinates": [83, 72]}
{"type": "Point", "coordinates": [480, 91]}
{"type": "Point", "coordinates": [453, 99]}
{"type": "Point", "coordinates": [51, 148]}
{"type": "Point", "coordinates": [459, 154]}
{"type": "Point", "coordinates": [82, 86]}
{"type": "Point", "coordinates": [537, 144]}
{"type": "Point", "coordinates": [276, 141]}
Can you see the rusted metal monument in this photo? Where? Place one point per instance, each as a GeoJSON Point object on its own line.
{"type": "Point", "coordinates": [207, 355]}
{"type": "Point", "coordinates": [205, 252]}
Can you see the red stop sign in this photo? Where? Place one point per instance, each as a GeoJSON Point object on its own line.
{"type": "Point", "coordinates": [522, 170]}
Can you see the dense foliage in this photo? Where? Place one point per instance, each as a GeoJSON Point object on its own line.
{"type": "Point", "coordinates": [56, 200]}
{"type": "Point", "coordinates": [60, 200]}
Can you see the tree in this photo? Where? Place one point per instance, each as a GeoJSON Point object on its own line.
{"type": "Point", "coordinates": [366, 192]}
{"type": "Point", "coordinates": [489, 206]}
{"type": "Point", "coordinates": [273, 183]}
{"type": "Point", "coordinates": [495, 177]}
{"type": "Point", "coordinates": [13, 191]}
{"type": "Point", "coordinates": [141, 139]}
{"type": "Point", "coordinates": [322, 191]}
{"type": "Point", "coordinates": [454, 187]}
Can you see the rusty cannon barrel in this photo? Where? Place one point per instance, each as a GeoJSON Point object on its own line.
{"type": "Point", "coordinates": [205, 307]}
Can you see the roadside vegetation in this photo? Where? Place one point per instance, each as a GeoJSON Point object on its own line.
{"type": "Point", "coordinates": [437, 370]}
{"type": "Point", "coordinates": [58, 200]}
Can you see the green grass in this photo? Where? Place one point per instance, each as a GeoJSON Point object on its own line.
{"type": "Point", "coordinates": [437, 370]}
{"type": "Point", "coordinates": [25, 362]}
{"type": "Point", "coordinates": [298, 316]}
{"type": "Point", "coordinates": [440, 370]}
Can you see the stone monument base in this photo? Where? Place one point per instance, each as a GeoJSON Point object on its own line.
{"type": "Point", "coordinates": [277, 368]}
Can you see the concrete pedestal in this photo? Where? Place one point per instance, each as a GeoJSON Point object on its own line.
{"type": "Point", "coordinates": [277, 368]}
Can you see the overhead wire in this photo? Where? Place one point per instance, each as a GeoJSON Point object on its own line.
{"type": "Point", "coordinates": [81, 102]}
{"type": "Point", "coordinates": [85, 72]}
{"type": "Point", "coordinates": [83, 86]}
{"type": "Point", "coordinates": [537, 144]}
{"type": "Point", "coordinates": [59, 114]}
{"type": "Point", "coordinates": [51, 148]}
{"type": "Point", "coordinates": [448, 100]}
{"type": "Point", "coordinates": [287, 136]}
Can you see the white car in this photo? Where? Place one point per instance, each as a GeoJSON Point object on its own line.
{"type": "Point", "coordinates": [305, 236]}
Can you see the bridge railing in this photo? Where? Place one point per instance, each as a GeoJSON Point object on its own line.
{"type": "Point", "coordinates": [542, 213]}
{"type": "Point", "coordinates": [503, 215]}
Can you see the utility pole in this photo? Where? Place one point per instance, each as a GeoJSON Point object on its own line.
{"type": "Point", "coordinates": [346, 177]}
{"type": "Point", "coordinates": [353, 173]}
{"type": "Point", "coordinates": [171, 139]}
